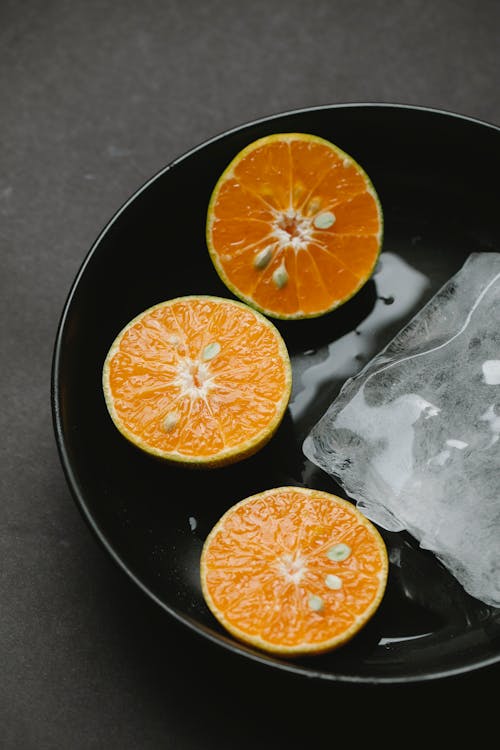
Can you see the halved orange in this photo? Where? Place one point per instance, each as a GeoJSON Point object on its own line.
{"type": "Point", "coordinates": [198, 380]}
{"type": "Point", "coordinates": [294, 226]}
{"type": "Point", "coordinates": [294, 571]}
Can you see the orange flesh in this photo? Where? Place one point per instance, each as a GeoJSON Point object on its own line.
{"type": "Point", "coordinates": [169, 396]}
{"type": "Point", "coordinates": [270, 197]}
{"type": "Point", "coordinates": [267, 557]}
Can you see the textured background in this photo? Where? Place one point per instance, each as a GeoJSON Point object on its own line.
{"type": "Point", "coordinates": [95, 98]}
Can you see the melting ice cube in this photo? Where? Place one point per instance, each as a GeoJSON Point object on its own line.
{"type": "Point", "coordinates": [414, 437]}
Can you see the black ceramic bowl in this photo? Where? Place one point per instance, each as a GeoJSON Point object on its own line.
{"type": "Point", "coordinates": [436, 175]}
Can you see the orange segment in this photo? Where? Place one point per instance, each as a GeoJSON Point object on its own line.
{"type": "Point", "coordinates": [294, 571]}
{"type": "Point", "coordinates": [285, 197]}
{"type": "Point", "coordinates": [199, 380]}
{"type": "Point", "coordinates": [266, 173]}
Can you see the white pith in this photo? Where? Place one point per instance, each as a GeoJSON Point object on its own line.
{"type": "Point", "coordinates": [292, 568]}
{"type": "Point", "coordinates": [193, 378]}
{"type": "Point", "coordinates": [291, 227]}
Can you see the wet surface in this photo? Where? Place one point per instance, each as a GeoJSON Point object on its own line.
{"type": "Point", "coordinates": [153, 518]}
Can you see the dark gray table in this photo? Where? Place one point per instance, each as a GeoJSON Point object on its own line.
{"type": "Point", "coordinates": [95, 98]}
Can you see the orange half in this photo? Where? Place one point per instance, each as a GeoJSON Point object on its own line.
{"type": "Point", "coordinates": [294, 571]}
{"type": "Point", "coordinates": [294, 226]}
{"type": "Point", "coordinates": [199, 380]}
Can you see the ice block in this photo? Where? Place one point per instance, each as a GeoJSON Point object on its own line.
{"type": "Point", "coordinates": [414, 438]}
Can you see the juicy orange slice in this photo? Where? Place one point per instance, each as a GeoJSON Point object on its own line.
{"type": "Point", "coordinates": [294, 571]}
{"type": "Point", "coordinates": [294, 226]}
{"type": "Point", "coordinates": [199, 380]}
